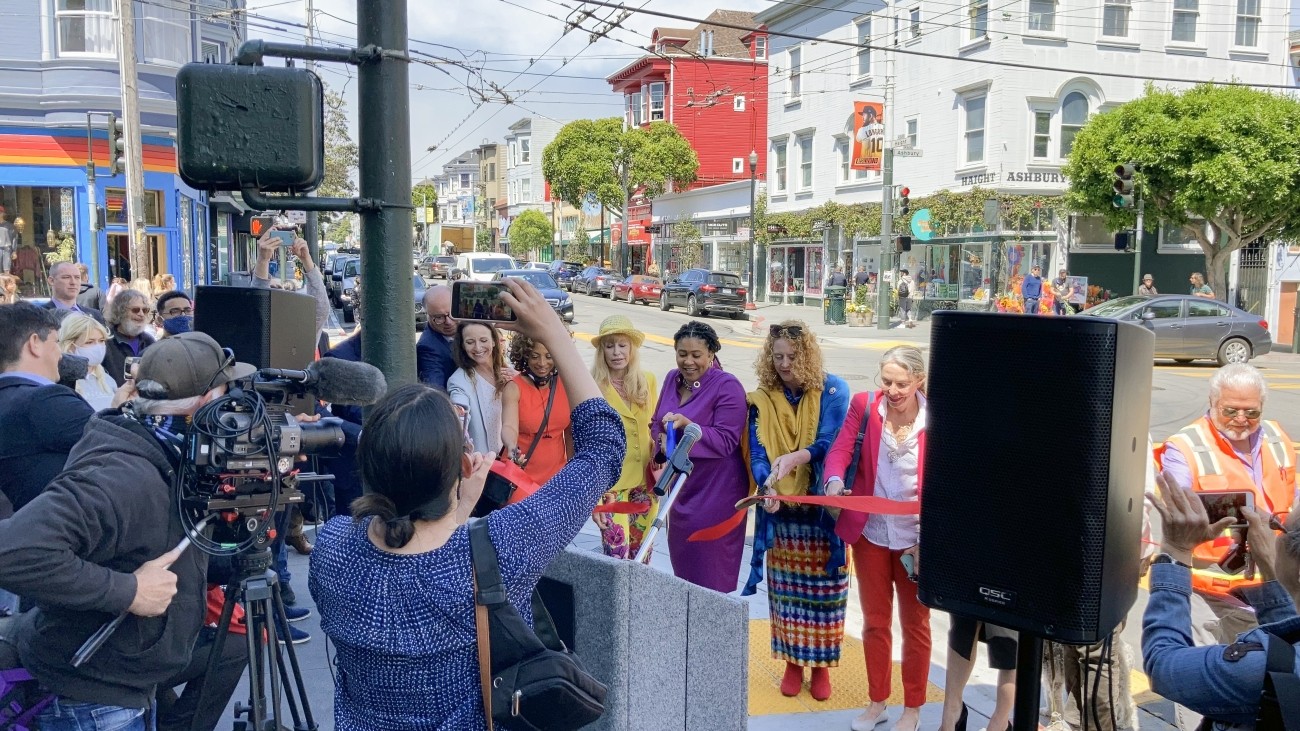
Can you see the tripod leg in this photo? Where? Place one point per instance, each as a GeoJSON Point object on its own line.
{"type": "Point", "coordinates": [218, 648]}
{"type": "Point", "coordinates": [278, 608]}
{"type": "Point", "coordinates": [1029, 682]}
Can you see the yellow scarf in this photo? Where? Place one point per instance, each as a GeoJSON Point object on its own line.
{"type": "Point", "coordinates": [782, 430]}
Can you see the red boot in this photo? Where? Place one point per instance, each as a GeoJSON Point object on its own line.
{"type": "Point", "coordinates": [792, 683]}
{"type": "Point", "coordinates": [821, 683]}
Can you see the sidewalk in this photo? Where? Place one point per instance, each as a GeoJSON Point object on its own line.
{"type": "Point", "coordinates": [766, 314]}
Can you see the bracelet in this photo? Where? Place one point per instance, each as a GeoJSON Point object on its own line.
{"type": "Point", "coordinates": [1166, 558]}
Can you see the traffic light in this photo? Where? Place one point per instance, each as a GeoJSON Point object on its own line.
{"type": "Point", "coordinates": [116, 144]}
{"type": "Point", "coordinates": [905, 204]}
{"type": "Point", "coordinates": [1122, 239]}
{"type": "Point", "coordinates": [1124, 185]}
{"type": "Point", "coordinates": [903, 243]}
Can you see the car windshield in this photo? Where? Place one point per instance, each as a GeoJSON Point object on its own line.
{"type": "Point", "coordinates": [540, 280]}
{"type": "Point", "coordinates": [724, 280]}
{"type": "Point", "coordinates": [1113, 307]}
{"type": "Point", "coordinates": [492, 264]}
{"type": "Point", "coordinates": [351, 268]}
{"type": "Point", "coordinates": [419, 282]}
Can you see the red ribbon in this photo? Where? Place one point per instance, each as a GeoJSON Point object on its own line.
{"type": "Point", "coordinates": [851, 503]}
{"type": "Point", "coordinates": [623, 508]}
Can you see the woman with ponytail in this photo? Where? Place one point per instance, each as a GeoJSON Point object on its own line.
{"type": "Point", "coordinates": [394, 582]}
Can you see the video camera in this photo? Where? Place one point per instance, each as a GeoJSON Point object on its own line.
{"type": "Point", "coordinates": [243, 452]}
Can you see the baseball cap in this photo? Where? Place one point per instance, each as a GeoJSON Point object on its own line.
{"type": "Point", "coordinates": [187, 365]}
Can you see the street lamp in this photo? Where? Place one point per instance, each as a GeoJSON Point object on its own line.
{"type": "Point", "coordinates": [753, 226]}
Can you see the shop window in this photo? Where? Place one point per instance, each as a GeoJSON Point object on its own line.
{"type": "Point", "coordinates": [115, 200]}
{"type": "Point", "coordinates": [815, 269]}
{"type": "Point", "coordinates": [85, 28]}
{"type": "Point", "coordinates": [1019, 258]}
{"type": "Point", "coordinates": [1176, 239]}
{"type": "Point", "coordinates": [974, 272]}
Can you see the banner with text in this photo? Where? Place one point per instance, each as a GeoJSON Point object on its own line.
{"type": "Point", "coordinates": [868, 135]}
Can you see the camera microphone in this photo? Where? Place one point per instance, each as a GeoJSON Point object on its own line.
{"type": "Point", "coordinates": [338, 381]}
{"type": "Point", "coordinates": [72, 368]}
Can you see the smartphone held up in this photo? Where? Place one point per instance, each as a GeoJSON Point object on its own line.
{"type": "Point", "coordinates": [479, 301]}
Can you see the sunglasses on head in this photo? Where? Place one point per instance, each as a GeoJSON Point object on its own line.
{"type": "Point", "coordinates": [792, 332]}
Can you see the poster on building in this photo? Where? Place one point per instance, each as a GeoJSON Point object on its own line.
{"type": "Point", "coordinates": [868, 135]}
{"type": "Point", "coordinates": [1076, 290]}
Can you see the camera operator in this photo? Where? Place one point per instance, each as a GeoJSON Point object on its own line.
{"type": "Point", "coordinates": [101, 540]}
{"type": "Point", "coordinates": [1222, 682]}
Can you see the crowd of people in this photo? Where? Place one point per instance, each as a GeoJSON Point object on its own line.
{"type": "Point", "coordinates": [90, 524]}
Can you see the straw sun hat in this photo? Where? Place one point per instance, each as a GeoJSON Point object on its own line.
{"type": "Point", "coordinates": [618, 325]}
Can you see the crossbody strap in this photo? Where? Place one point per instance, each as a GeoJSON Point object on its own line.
{"type": "Point", "coordinates": [852, 471]}
{"type": "Point", "coordinates": [546, 418]}
{"type": "Point", "coordinates": [484, 654]}
{"type": "Point", "coordinates": [1281, 687]}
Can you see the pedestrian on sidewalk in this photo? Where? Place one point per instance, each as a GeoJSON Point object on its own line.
{"type": "Point", "coordinates": [885, 555]}
{"type": "Point", "coordinates": [793, 419]}
{"type": "Point", "coordinates": [1148, 286]}
{"type": "Point", "coordinates": [1060, 292]}
{"type": "Point", "coordinates": [837, 278]}
{"type": "Point", "coordinates": [699, 392]}
{"type": "Point", "coordinates": [633, 393]}
{"type": "Point", "coordinates": [1031, 290]}
{"type": "Point", "coordinates": [905, 291]}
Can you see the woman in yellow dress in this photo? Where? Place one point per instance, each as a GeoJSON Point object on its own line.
{"type": "Point", "coordinates": [633, 394]}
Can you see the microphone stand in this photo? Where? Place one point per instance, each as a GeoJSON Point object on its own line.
{"type": "Point", "coordinates": [675, 472]}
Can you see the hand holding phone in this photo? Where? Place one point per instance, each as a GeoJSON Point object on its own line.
{"type": "Point", "coordinates": [479, 301]}
{"type": "Point", "coordinates": [286, 237]}
{"type": "Point", "coordinates": [131, 364]}
{"type": "Point", "coordinates": [1220, 505]}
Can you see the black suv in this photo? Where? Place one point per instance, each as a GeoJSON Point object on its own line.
{"type": "Point", "coordinates": [702, 291]}
{"type": "Point", "coordinates": [563, 272]}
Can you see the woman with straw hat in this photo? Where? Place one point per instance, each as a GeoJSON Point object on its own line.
{"type": "Point", "coordinates": [633, 393]}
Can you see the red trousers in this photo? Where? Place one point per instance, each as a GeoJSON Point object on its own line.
{"type": "Point", "coordinates": [880, 575]}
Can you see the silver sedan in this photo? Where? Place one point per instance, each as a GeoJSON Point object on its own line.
{"type": "Point", "coordinates": [1191, 328]}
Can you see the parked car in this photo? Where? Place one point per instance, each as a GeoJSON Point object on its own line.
{"type": "Point", "coordinates": [437, 266]}
{"type": "Point", "coordinates": [564, 271]}
{"type": "Point", "coordinates": [597, 281]}
{"type": "Point", "coordinates": [1191, 328]}
{"type": "Point", "coordinates": [420, 286]}
{"type": "Point", "coordinates": [559, 301]}
{"type": "Point", "coordinates": [481, 266]}
{"type": "Point", "coordinates": [343, 282]}
{"type": "Point", "coordinates": [536, 266]}
{"type": "Point", "coordinates": [638, 288]}
{"type": "Point", "coordinates": [702, 291]}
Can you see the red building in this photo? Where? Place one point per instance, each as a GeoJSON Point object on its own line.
{"type": "Point", "coordinates": [711, 83]}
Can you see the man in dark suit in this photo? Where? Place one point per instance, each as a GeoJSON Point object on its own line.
{"type": "Point", "coordinates": [65, 287]}
{"type": "Point", "coordinates": [40, 420]}
{"type": "Point", "coordinates": [434, 361]}
{"type": "Point", "coordinates": [91, 295]}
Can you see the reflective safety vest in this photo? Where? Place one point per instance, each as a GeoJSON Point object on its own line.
{"type": "Point", "coordinates": [1215, 467]}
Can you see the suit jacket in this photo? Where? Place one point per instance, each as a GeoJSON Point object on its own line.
{"type": "Point", "coordinates": [38, 426]}
{"type": "Point", "coordinates": [91, 297]}
{"type": "Point", "coordinates": [99, 316]}
{"type": "Point", "coordinates": [434, 360]}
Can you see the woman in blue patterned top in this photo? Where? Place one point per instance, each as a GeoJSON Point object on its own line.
{"type": "Point", "coordinates": [393, 584]}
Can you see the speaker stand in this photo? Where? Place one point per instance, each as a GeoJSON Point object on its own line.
{"type": "Point", "coordinates": [1029, 683]}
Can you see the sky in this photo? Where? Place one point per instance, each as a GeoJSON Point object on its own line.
{"type": "Point", "coordinates": [518, 45]}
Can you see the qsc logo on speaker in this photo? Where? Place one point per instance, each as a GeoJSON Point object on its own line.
{"type": "Point", "coordinates": [997, 597]}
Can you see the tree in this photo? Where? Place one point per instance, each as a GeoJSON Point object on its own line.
{"type": "Point", "coordinates": [690, 245]}
{"type": "Point", "coordinates": [341, 159]}
{"type": "Point", "coordinates": [1221, 162]}
{"type": "Point", "coordinates": [424, 195]}
{"type": "Point", "coordinates": [483, 240]}
{"type": "Point", "coordinates": [591, 156]}
{"type": "Point", "coordinates": [530, 231]}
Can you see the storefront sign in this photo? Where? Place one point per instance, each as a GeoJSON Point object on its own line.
{"type": "Point", "coordinates": [868, 135]}
{"type": "Point", "coordinates": [921, 227]}
{"type": "Point", "coordinates": [717, 228]}
{"type": "Point", "coordinates": [981, 179]}
{"type": "Point", "coordinates": [1022, 176]}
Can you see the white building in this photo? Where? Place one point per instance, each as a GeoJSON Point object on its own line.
{"type": "Point", "coordinates": [457, 188]}
{"type": "Point", "coordinates": [525, 184]}
{"type": "Point", "coordinates": [996, 105]}
{"type": "Point", "coordinates": [720, 212]}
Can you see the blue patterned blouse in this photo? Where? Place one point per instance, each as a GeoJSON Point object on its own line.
{"type": "Point", "coordinates": [404, 625]}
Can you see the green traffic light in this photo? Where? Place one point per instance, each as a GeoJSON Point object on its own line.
{"type": "Point", "coordinates": [1122, 201]}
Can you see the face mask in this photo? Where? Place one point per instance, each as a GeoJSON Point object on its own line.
{"type": "Point", "coordinates": [92, 353]}
{"type": "Point", "coordinates": [179, 324]}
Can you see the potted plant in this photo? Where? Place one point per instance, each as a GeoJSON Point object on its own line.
{"type": "Point", "coordinates": [858, 311]}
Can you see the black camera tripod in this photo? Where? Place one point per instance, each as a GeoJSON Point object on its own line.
{"type": "Point", "coordinates": [256, 587]}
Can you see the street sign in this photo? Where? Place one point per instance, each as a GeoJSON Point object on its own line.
{"type": "Point", "coordinates": [819, 226]}
{"type": "Point", "coordinates": [908, 153]}
{"type": "Point", "coordinates": [298, 217]}
{"type": "Point", "coordinates": [921, 227]}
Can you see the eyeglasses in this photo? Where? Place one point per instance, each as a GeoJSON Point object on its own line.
{"type": "Point", "coordinates": [440, 319]}
{"type": "Point", "coordinates": [1278, 520]}
{"type": "Point", "coordinates": [141, 310]}
{"type": "Point", "coordinates": [793, 332]}
{"type": "Point", "coordinates": [176, 311]}
{"type": "Point", "coordinates": [1231, 413]}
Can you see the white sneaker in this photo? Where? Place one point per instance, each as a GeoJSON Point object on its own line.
{"type": "Point", "coordinates": [863, 723]}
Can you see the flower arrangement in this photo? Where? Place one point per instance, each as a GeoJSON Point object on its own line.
{"type": "Point", "coordinates": [1097, 295]}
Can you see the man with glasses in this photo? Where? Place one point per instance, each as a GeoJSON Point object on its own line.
{"type": "Point", "coordinates": [175, 313]}
{"type": "Point", "coordinates": [434, 359]}
{"type": "Point", "coordinates": [129, 315]}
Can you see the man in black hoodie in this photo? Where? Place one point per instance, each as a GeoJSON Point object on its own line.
{"type": "Point", "coordinates": [100, 540]}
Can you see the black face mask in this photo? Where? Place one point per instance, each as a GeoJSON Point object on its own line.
{"type": "Point", "coordinates": [539, 381]}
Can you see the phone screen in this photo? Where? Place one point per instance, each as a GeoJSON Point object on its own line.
{"type": "Point", "coordinates": [479, 301]}
{"type": "Point", "coordinates": [128, 370]}
{"type": "Point", "coordinates": [285, 237]}
{"type": "Point", "coordinates": [1220, 505]}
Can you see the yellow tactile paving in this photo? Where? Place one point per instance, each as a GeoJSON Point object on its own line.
{"type": "Point", "coordinates": [883, 344]}
{"type": "Point", "coordinates": [848, 681]}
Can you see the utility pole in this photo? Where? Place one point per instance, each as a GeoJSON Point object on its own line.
{"type": "Point", "coordinates": [309, 229]}
{"type": "Point", "coordinates": [141, 261]}
{"type": "Point", "coordinates": [383, 98]}
{"type": "Point", "coordinates": [886, 205]}
{"type": "Point", "coordinates": [624, 245]}
{"type": "Point", "coordinates": [1137, 246]}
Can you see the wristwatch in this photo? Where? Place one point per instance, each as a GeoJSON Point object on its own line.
{"type": "Point", "coordinates": [1166, 558]}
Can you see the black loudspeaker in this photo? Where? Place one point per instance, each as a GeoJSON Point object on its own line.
{"type": "Point", "coordinates": [1036, 449]}
{"type": "Point", "coordinates": [269, 328]}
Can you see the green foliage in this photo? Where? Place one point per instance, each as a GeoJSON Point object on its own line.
{"type": "Point", "coordinates": [1227, 155]}
{"type": "Point", "coordinates": [424, 195]}
{"type": "Point", "coordinates": [530, 231]}
{"type": "Point", "coordinates": [687, 236]}
{"type": "Point", "coordinates": [592, 156]}
{"type": "Point", "coordinates": [341, 230]}
{"type": "Point", "coordinates": [65, 248]}
{"type": "Point", "coordinates": [483, 240]}
{"type": "Point", "coordinates": [341, 155]}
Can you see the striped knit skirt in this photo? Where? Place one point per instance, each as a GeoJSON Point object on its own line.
{"type": "Point", "coordinates": [806, 604]}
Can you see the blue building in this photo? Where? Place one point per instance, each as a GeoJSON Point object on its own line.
{"type": "Point", "coordinates": [58, 81]}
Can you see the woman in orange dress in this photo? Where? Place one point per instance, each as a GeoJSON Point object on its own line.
{"type": "Point", "coordinates": [537, 441]}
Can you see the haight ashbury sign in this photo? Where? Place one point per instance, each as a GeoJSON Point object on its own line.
{"type": "Point", "coordinates": [1015, 176]}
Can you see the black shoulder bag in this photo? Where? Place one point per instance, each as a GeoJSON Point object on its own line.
{"type": "Point", "coordinates": [529, 681]}
{"type": "Point", "coordinates": [1279, 704]}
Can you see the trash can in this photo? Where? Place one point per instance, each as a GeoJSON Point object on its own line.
{"type": "Point", "coordinates": [833, 312]}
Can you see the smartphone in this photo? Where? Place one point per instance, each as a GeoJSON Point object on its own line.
{"type": "Point", "coordinates": [260, 225]}
{"type": "Point", "coordinates": [131, 363]}
{"type": "Point", "coordinates": [909, 565]}
{"type": "Point", "coordinates": [1220, 505]}
{"type": "Point", "coordinates": [286, 237]}
{"type": "Point", "coordinates": [479, 301]}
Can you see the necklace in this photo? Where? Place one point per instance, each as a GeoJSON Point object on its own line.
{"type": "Point", "coordinates": [688, 385]}
{"type": "Point", "coordinates": [900, 433]}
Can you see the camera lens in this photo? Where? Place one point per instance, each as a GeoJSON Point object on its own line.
{"type": "Point", "coordinates": [323, 438]}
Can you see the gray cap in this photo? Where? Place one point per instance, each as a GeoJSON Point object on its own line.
{"type": "Point", "coordinates": [187, 365]}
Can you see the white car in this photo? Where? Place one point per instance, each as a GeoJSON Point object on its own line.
{"type": "Point", "coordinates": [481, 266]}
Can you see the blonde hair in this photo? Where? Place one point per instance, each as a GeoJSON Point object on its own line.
{"type": "Point", "coordinates": [808, 368]}
{"type": "Point", "coordinates": [76, 326]}
{"type": "Point", "coordinates": [635, 384]}
{"type": "Point", "coordinates": [909, 358]}
{"type": "Point", "coordinates": [163, 282]}
{"type": "Point", "coordinates": [143, 286]}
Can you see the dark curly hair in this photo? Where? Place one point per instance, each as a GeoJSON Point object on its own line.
{"type": "Point", "coordinates": [701, 330]}
{"type": "Point", "coordinates": [520, 344]}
